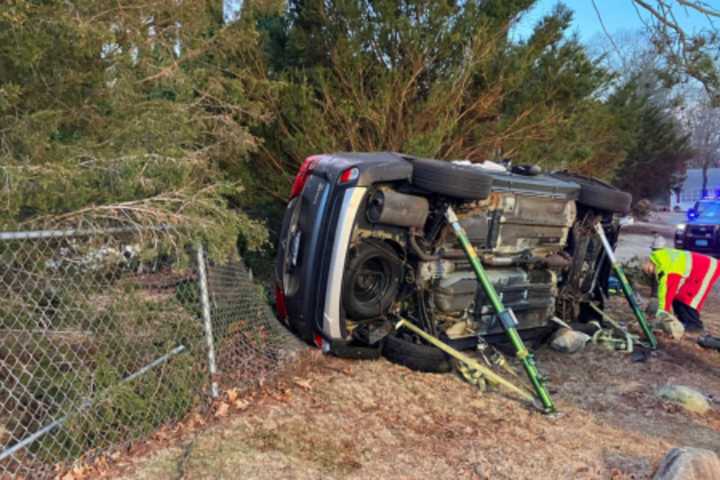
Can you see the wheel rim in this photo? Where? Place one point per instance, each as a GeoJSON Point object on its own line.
{"type": "Point", "coordinates": [371, 281]}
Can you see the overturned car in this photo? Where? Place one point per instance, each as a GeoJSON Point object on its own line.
{"type": "Point", "coordinates": [365, 241]}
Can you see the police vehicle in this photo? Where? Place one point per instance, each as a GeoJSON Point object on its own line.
{"type": "Point", "coordinates": [701, 233]}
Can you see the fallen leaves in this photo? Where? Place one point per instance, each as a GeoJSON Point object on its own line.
{"type": "Point", "coordinates": [76, 473]}
{"type": "Point", "coordinates": [232, 395]}
{"type": "Point", "coordinates": [302, 383]}
{"type": "Point", "coordinates": [222, 409]}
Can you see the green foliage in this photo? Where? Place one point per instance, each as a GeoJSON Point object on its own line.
{"type": "Point", "coordinates": [81, 376]}
{"type": "Point", "coordinates": [436, 79]}
{"type": "Point", "coordinates": [127, 113]}
{"type": "Point", "coordinates": [154, 111]}
{"type": "Point", "coordinates": [657, 148]}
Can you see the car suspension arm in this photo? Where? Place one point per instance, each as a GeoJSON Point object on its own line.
{"type": "Point", "coordinates": [505, 315]}
{"type": "Point", "coordinates": [626, 288]}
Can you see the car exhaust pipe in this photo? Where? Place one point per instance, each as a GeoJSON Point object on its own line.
{"type": "Point", "coordinates": [393, 208]}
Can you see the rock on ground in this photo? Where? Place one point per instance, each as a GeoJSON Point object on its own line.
{"type": "Point", "coordinates": [569, 341]}
{"type": "Point", "coordinates": [688, 398]}
{"type": "Point", "coordinates": [672, 327]}
{"type": "Point", "coordinates": [689, 464]}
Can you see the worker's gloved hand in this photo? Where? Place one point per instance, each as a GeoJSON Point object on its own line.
{"type": "Point", "coordinates": [668, 323]}
{"type": "Point", "coordinates": [663, 316]}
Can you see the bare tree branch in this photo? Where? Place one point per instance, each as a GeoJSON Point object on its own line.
{"type": "Point", "coordinates": [607, 34]}
{"type": "Point", "coordinates": [687, 54]}
{"type": "Point", "coordinates": [701, 7]}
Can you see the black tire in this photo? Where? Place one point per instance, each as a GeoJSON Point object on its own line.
{"type": "Point", "coordinates": [415, 356]}
{"type": "Point", "coordinates": [371, 281]}
{"type": "Point", "coordinates": [597, 194]}
{"type": "Point", "coordinates": [450, 179]}
{"type": "Point", "coordinates": [708, 341]}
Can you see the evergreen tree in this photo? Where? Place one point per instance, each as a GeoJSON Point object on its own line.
{"type": "Point", "coordinates": [126, 112]}
{"type": "Point", "coordinates": [437, 79]}
{"type": "Point", "coordinates": [657, 148]}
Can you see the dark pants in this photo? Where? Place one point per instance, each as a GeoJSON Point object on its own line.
{"type": "Point", "coordinates": [687, 315]}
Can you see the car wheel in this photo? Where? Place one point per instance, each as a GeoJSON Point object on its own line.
{"type": "Point", "coordinates": [597, 194]}
{"type": "Point", "coordinates": [450, 179]}
{"type": "Point", "coordinates": [371, 281]}
{"type": "Point", "coordinates": [415, 356]}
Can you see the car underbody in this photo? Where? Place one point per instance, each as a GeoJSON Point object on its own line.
{"type": "Point", "coordinates": [365, 241]}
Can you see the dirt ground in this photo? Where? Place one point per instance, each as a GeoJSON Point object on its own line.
{"type": "Point", "coordinates": [372, 419]}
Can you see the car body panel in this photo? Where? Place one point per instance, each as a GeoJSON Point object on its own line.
{"type": "Point", "coordinates": [325, 208]}
{"type": "Point", "coordinates": [332, 323]}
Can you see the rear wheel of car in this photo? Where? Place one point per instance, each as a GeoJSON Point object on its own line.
{"type": "Point", "coordinates": [597, 194]}
{"type": "Point", "coordinates": [450, 179]}
{"type": "Point", "coordinates": [424, 358]}
{"type": "Point", "coordinates": [371, 281]}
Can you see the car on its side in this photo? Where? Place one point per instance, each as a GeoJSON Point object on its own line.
{"type": "Point", "coordinates": [364, 241]}
{"type": "Point", "coordinates": [701, 233]}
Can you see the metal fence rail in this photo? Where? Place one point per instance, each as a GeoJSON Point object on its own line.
{"type": "Point", "coordinates": [107, 335]}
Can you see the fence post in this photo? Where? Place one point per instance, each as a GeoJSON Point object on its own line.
{"type": "Point", "coordinates": [205, 303]}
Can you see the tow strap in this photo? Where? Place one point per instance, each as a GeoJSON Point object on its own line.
{"type": "Point", "coordinates": [472, 370]}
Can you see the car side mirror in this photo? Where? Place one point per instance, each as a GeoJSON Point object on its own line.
{"type": "Point", "coordinates": [692, 214]}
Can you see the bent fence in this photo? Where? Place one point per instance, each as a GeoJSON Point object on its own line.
{"type": "Point", "coordinates": [106, 335]}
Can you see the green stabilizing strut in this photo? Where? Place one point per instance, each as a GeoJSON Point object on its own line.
{"type": "Point", "coordinates": [626, 288]}
{"type": "Point", "coordinates": [506, 317]}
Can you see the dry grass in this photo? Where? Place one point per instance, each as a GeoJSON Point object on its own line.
{"type": "Point", "coordinates": [373, 419]}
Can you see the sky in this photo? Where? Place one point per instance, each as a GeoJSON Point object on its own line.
{"type": "Point", "coordinates": [618, 16]}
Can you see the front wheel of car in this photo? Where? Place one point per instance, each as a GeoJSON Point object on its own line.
{"type": "Point", "coordinates": [597, 194]}
{"type": "Point", "coordinates": [402, 350]}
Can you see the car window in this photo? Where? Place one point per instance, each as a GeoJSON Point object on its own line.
{"type": "Point", "coordinates": [709, 210]}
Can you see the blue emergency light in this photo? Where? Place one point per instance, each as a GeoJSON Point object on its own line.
{"type": "Point", "coordinates": [706, 195]}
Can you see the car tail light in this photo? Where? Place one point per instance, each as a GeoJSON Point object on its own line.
{"type": "Point", "coordinates": [318, 340]}
{"type": "Point", "coordinates": [280, 303]}
{"type": "Point", "coordinates": [302, 176]}
{"type": "Point", "coordinates": [349, 175]}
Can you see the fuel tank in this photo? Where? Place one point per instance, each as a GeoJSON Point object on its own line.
{"type": "Point", "coordinates": [530, 294]}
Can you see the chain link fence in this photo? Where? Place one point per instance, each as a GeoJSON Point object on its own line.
{"type": "Point", "coordinates": [107, 335]}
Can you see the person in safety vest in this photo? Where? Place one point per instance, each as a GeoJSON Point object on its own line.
{"type": "Point", "coordinates": [684, 281]}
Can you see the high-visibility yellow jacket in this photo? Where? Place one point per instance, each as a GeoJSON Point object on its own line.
{"type": "Point", "coordinates": [684, 276]}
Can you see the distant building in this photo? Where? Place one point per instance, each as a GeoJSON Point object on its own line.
{"type": "Point", "coordinates": [692, 187]}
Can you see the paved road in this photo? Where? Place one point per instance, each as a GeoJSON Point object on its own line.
{"type": "Point", "coordinates": [635, 240]}
{"type": "Point", "coordinates": [633, 245]}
